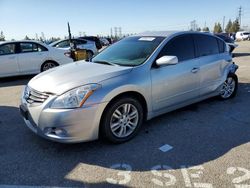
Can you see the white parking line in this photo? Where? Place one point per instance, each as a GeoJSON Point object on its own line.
{"type": "Point", "coordinates": [165, 148]}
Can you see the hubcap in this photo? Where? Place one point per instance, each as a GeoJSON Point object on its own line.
{"type": "Point", "coordinates": [228, 88]}
{"type": "Point", "coordinates": [124, 120]}
{"type": "Point", "coordinates": [48, 66]}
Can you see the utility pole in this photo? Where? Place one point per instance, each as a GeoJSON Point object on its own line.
{"type": "Point", "coordinates": [193, 25]}
{"type": "Point", "coordinates": [120, 31]}
{"type": "Point", "coordinates": [115, 31]}
{"type": "Point", "coordinates": [223, 26]}
{"type": "Point", "coordinates": [111, 32]}
{"type": "Point", "coordinates": [240, 14]}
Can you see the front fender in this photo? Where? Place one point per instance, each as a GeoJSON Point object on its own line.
{"type": "Point", "coordinates": [233, 68]}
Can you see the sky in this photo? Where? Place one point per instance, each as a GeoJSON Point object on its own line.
{"type": "Point", "coordinates": [19, 18]}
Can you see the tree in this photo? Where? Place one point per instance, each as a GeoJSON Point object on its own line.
{"type": "Point", "coordinates": [26, 38]}
{"type": "Point", "coordinates": [235, 26]}
{"type": "Point", "coordinates": [229, 26]}
{"type": "Point", "coordinates": [217, 28]}
{"type": "Point", "coordinates": [198, 29]}
{"type": "Point", "coordinates": [205, 29]}
{"type": "Point", "coordinates": [2, 37]}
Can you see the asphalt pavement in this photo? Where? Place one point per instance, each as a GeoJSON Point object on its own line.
{"type": "Point", "coordinates": [203, 145]}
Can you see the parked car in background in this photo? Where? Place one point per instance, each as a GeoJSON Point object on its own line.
{"type": "Point", "coordinates": [229, 41]}
{"type": "Point", "coordinates": [95, 39]}
{"type": "Point", "coordinates": [104, 41]}
{"type": "Point", "coordinates": [243, 35]}
{"type": "Point", "coordinates": [110, 40]}
{"type": "Point", "coordinates": [135, 79]}
{"type": "Point", "coordinates": [29, 57]}
{"type": "Point", "coordinates": [87, 45]}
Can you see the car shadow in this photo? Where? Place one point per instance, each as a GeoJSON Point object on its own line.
{"type": "Point", "coordinates": [198, 133]}
{"type": "Point", "coordinates": [15, 81]}
{"type": "Point", "coordinates": [240, 54]}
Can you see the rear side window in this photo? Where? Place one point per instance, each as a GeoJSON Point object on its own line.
{"type": "Point", "coordinates": [6, 49]}
{"type": "Point", "coordinates": [181, 46]}
{"type": "Point", "coordinates": [206, 45]}
{"type": "Point", "coordinates": [221, 45]}
{"type": "Point", "coordinates": [63, 44]}
{"type": "Point", "coordinates": [79, 42]}
{"type": "Point", "coordinates": [31, 47]}
{"type": "Point", "coordinates": [41, 48]}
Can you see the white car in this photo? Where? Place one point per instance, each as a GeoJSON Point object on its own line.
{"type": "Point", "coordinates": [29, 57]}
{"type": "Point", "coordinates": [79, 43]}
{"type": "Point", "coordinates": [242, 35]}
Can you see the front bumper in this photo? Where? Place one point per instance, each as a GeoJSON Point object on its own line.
{"type": "Point", "coordinates": [63, 125]}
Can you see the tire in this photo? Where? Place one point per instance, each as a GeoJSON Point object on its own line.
{"type": "Point", "coordinates": [48, 65]}
{"type": "Point", "coordinates": [89, 55]}
{"type": "Point", "coordinates": [125, 116]}
{"type": "Point", "coordinates": [230, 87]}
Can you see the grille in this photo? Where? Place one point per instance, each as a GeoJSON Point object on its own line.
{"type": "Point", "coordinates": [33, 96]}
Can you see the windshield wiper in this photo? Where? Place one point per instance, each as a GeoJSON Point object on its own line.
{"type": "Point", "coordinates": [105, 63]}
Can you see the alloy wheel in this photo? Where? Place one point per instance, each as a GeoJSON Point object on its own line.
{"type": "Point", "coordinates": [124, 120]}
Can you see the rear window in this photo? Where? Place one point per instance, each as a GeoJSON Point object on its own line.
{"type": "Point", "coordinates": [206, 45]}
{"type": "Point", "coordinates": [221, 45]}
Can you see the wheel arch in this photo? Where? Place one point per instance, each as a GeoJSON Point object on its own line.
{"type": "Point", "coordinates": [46, 61]}
{"type": "Point", "coordinates": [134, 94]}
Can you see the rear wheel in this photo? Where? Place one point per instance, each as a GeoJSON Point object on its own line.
{"type": "Point", "coordinates": [122, 120]}
{"type": "Point", "coordinates": [48, 65]}
{"type": "Point", "coordinates": [229, 88]}
{"type": "Point", "coordinates": [89, 55]}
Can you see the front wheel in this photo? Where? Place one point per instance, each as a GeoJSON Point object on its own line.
{"type": "Point", "coordinates": [122, 120]}
{"type": "Point", "coordinates": [229, 88]}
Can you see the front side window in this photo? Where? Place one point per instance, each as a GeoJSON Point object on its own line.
{"type": "Point", "coordinates": [131, 51]}
{"type": "Point", "coordinates": [182, 47]}
{"type": "Point", "coordinates": [206, 45]}
{"type": "Point", "coordinates": [6, 49]}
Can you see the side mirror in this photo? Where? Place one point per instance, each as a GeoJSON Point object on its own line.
{"type": "Point", "coordinates": [167, 60]}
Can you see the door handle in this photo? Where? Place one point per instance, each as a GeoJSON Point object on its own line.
{"type": "Point", "coordinates": [195, 69]}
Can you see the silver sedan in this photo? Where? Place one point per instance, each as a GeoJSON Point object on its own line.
{"type": "Point", "coordinates": [136, 79]}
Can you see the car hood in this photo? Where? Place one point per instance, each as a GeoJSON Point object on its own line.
{"type": "Point", "coordinates": [61, 79]}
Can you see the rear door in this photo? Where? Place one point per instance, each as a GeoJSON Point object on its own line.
{"type": "Point", "coordinates": [8, 59]}
{"type": "Point", "coordinates": [31, 56]}
{"type": "Point", "coordinates": [175, 84]}
{"type": "Point", "coordinates": [212, 60]}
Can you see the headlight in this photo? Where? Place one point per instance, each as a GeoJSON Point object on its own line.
{"type": "Point", "coordinates": [76, 97]}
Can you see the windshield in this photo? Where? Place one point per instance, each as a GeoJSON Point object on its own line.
{"type": "Point", "coordinates": [131, 51]}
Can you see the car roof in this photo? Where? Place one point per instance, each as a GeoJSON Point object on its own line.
{"type": "Point", "coordinates": [57, 41]}
{"type": "Point", "coordinates": [39, 42]}
{"type": "Point", "coordinates": [169, 33]}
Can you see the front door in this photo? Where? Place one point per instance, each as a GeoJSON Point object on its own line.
{"type": "Point", "coordinates": [8, 60]}
{"type": "Point", "coordinates": [175, 84]}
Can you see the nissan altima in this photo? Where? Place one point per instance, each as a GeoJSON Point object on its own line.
{"type": "Point", "coordinates": [136, 79]}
